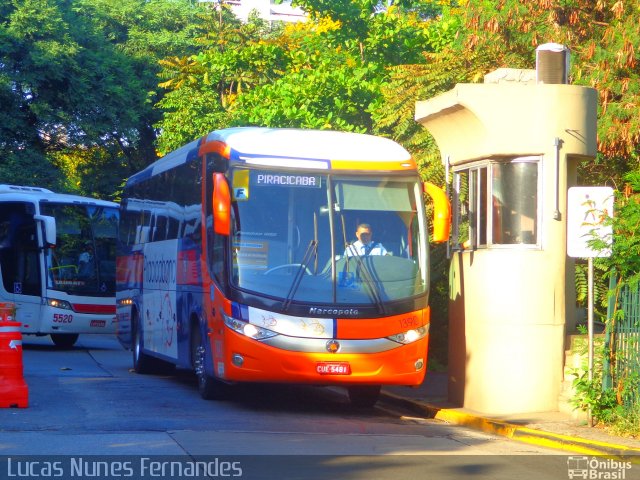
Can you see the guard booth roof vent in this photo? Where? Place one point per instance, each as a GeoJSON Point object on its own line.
{"type": "Point", "coordinates": [552, 63]}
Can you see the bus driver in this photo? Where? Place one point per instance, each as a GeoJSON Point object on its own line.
{"type": "Point", "coordinates": [364, 245]}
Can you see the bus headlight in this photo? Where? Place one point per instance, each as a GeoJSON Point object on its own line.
{"type": "Point", "coordinates": [248, 329]}
{"type": "Point", "coordinates": [54, 302]}
{"type": "Point", "coordinates": [410, 336]}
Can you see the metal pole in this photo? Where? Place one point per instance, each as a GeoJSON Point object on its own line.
{"type": "Point", "coordinates": [447, 167]}
{"type": "Point", "coordinates": [557, 142]}
{"type": "Point", "coordinates": [590, 327]}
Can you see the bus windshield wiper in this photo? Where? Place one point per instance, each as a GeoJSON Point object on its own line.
{"type": "Point", "coordinates": [311, 251]}
{"type": "Point", "coordinates": [367, 276]}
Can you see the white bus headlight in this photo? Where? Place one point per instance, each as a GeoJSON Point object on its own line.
{"type": "Point", "coordinates": [54, 302]}
{"type": "Point", "coordinates": [410, 336]}
{"type": "Point", "coordinates": [248, 329]}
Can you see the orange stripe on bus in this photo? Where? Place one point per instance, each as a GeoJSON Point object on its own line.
{"type": "Point", "coordinates": [214, 146]}
{"type": "Point", "coordinates": [352, 328]}
{"type": "Point", "coordinates": [402, 165]}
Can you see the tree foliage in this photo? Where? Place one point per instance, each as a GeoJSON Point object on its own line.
{"type": "Point", "coordinates": [78, 86]}
{"type": "Point", "coordinates": [625, 258]}
{"type": "Point", "coordinates": [232, 58]}
{"type": "Point", "coordinates": [436, 72]}
{"type": "Point", "coordinates": [324, 86]}
{"type": "Point", "coordinates": [325, 73]}
{"type": "Point", "coordinates": [602, 36]}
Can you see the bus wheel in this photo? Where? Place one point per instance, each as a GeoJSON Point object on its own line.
{"type": "Point", "coordinates": [364, 396]}
{"type": "Point", "coordinates": [142, 363]}
{"type": "Point", "coordinates": [64, 340]}
{"type": "Point", "coordinates": [209, 387]}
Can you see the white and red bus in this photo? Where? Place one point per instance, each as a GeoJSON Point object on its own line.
{"type": "Point", "coordinates": [57, 262]}
{"type": "Point", "coordinates": [231, 261]}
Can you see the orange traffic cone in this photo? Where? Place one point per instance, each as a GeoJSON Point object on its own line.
{"type": "Point", "coordinates": [7, 312]}
{"type": "Point", "coordinates": [13, 388]}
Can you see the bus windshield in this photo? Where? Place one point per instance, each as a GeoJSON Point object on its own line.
{"type": "Point", "coordinates": [293, 236]}
{"type": "Point", "coordinates": [83, 259]}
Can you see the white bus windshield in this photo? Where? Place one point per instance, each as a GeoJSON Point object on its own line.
{"type": "Point", "coordinates": [294, 236]}
{"type": "Point", "coordinates": [83, 259]}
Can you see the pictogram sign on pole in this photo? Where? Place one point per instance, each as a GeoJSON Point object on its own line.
{"type": "Point", "coordinates": [588, 209]}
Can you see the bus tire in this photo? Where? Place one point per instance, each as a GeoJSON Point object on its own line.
{"type": "Point", "coordinates": [142, 363]}
{"type": "Point", "coordinates": [364, 396]}
{"type": "Point", "coordinates": [208, 387]}
{"type": "Point", "coordinates": [64, 340]}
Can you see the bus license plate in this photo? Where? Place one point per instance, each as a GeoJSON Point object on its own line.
{"type": "Point", "coordinates": [333, 368]}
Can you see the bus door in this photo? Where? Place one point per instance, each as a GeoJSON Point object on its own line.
{"type": "Point", "coordinates": [20, 263]}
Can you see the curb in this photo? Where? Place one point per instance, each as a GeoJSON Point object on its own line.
{"type": "Point", "coordinates": [513, 431]}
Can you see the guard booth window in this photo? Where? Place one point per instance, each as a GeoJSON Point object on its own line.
{"type": "Point", "coordinates": [497, 203]}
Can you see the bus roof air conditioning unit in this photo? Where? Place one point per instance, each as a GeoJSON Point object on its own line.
{"type": "Point", "coordinates": [4, 188]}
{"type": "Point", "coordinates": [552, 63]}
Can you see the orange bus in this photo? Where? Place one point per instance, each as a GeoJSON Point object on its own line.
{"type": "Point", "coordinates": [237, 259]}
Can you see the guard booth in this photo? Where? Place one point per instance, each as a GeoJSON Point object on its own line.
{"type": "Point", "coordinates": [511, 146]}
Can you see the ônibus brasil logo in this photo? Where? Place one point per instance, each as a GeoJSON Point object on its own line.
{"type": "Point", "coordinates": [597, 468]}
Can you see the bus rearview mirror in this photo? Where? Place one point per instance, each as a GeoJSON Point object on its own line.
{"type": "Point", "coordinates": [48, 228]}
{"type": "Point", "coordinates": [441, 212]}
{"type": "Point", "coordinates": [221, 205]}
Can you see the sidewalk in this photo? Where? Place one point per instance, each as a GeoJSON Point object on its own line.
{"type": "Point", "coordinates": [549, 429]}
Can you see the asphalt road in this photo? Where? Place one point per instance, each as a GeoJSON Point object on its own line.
{"type": "Point", "coordinates": [86, 403]}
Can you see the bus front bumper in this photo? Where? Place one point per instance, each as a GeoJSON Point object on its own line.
{"type": "Point", "coordinates": [248, 360]}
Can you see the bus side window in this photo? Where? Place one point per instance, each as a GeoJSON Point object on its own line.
{"type": "Point", "coordinates": [160, 228]}
{"type": "Point", "coordinates": [173, 228]}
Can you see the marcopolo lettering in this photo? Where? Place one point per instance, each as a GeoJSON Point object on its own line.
{"type": "Point", "coordinates": [347, 312]}
{"type": "Point", "coordinates": [287, 180]}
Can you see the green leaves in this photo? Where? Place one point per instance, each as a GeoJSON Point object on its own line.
{"type": "Point", "coordinates": [603, 37]}
{"type": "Point", "coordinates": [626, 227]}
{"type": "Point", "coordinates": [331, 93]}
{"type": "Point", "coordinates": [78, 77]}
{"type": "Point", "coordinates": [327, 73]}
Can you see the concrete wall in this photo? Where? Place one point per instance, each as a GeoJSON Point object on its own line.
{"type": "Point", "coordinates": [509, 303]}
